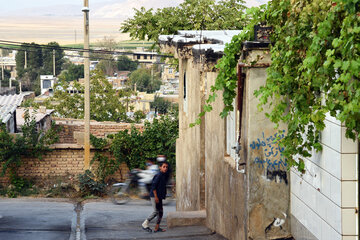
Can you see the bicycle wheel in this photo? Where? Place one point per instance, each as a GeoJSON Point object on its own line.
{"type": "Point", "coordinates": [119, 193]}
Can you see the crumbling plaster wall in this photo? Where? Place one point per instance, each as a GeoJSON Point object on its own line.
{"type": "Point", "coordinates": [267, 176]}
{"type": "Point", "coordinates": [188, 145]}
{"type": "Point", "coordinates": [225, 187]}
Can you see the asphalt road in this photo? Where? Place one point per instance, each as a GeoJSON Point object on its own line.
{"type": "Point", "coordinates": [60, 219]}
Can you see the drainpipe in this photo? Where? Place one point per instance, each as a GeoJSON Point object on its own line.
{"type": "Point", "coordinates": [240, 166]}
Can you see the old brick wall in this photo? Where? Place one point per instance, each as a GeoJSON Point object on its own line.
{"type": "Point", "coordinates": [66, 163]}
{"type": "Point", "coordinates": [66, 160]}
{"type": "Point", "coordinates": [73, 129]}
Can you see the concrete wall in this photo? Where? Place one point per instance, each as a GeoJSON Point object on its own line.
{"type": "Point", "coordinates": [267, 176]}
{"type": "Point", "coordinates": [254, 205]}
{"type": "Point", "coordinates": [324, 200]}
{"type": "Point", "coordinates": [188, 145]}
{"type": "Point", "coordinates": [225, 187]}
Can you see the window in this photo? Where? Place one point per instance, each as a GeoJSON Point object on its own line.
{"type": "Point", "coordinates": [185, 93]}
{"type": "Point", "coordinates": [231, 132]}
{"type": "Point", "coordinates": [170, 70]}
{"type": "Point", "coordinates": [46, 84]}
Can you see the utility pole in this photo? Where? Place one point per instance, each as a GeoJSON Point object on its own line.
{"type": "Point", "coordinates": [87, 86]}
{"type": "Point", "coordinates": [54, 63]}
{"type": "Point", "coordinates": [25, 60]}
{"type": "Point", "coordinates": [25, 66]}
{"type": "Point", "coordinates": [2, 68]}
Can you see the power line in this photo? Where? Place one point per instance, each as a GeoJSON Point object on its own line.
{"type": "Point", "coordinates": [81, 56]}
{"type": "Point", "coordinates": [31, 45]}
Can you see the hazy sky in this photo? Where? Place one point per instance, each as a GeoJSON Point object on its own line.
{"type": "Point", "coordinates": [99, 8]}
{"type": "Point", "coordinates": [44, 21]}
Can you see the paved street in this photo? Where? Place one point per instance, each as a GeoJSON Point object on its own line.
{"type": "Point", "coordinates": [59, 219]}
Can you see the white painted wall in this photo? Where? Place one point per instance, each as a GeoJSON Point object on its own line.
{"type": "Point", "coordinates": [324, 200]}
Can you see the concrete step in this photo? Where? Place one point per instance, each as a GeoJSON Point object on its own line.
{"type": "Point", "coordinates": [186, 218]}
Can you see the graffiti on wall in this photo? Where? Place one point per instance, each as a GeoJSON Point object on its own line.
{"type": "Point", "coordinates": [272, 160]}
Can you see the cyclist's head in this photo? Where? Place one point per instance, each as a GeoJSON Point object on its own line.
{"type": "Point", "coordinates": [161, 158]}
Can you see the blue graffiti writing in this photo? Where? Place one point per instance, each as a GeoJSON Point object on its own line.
{"type": "Point", "coordinates": [273, 158]}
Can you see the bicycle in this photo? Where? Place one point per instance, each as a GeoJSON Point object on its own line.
{"type": "Point", "coordinates": [120, 193]}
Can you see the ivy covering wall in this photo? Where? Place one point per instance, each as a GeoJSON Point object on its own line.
{"type": "Point", "coordinates": [315, 68]}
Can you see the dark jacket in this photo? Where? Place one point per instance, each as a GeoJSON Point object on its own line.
{"type": "Point", "coordinates": [159, 184]}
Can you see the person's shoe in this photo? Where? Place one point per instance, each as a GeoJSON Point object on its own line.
{"type": "Point", "coordinates": [145, 224]}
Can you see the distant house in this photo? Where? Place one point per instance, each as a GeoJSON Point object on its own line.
{"type": "Point", "coordinates": [119, 80]}
{"type": "Point", "coordinates": [8, 105]}
{"type": "Point", "coordinates": [47, 83]}
{"type": "Point", "coordinates": [8, 117]}
{"type": "Point", "coordinates": [42, 117]}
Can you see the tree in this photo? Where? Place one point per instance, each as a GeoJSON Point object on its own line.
{"type": "Point", "coordinates": [144, 80]}
{"type": "Point", "coordinates": [135, 146]}
{"type": "Point", "coordinates": [105, 102]}
{"type": "Point", "coordinates": [161, 105]}
{"type": "Point", "coordinates": [34, 58]}
{"type": "Point", "coordinates": [5, 81]}
{"type": "Point", "coordinates": [48, 58]}
{"type": "Point", "coordinates": [72, 72]}
{"type": "Point", "coordinates": [189, 15]}
{"type": "Point", "coordinates": [39, 61]}
{"type": "Point", "coordinates": [125, 64]}
{"type": "Point", "coordinates": [107, 66]}
{"type": "Point", "coordinates": [107, 63]}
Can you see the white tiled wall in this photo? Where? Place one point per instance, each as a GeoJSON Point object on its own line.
{"type": "Point", "coordinates": [325, 198]}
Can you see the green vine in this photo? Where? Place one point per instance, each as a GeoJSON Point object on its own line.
{"type": "Point", "coordinates": [31, 143]}
{"type": "Point", "coordinates": [227, 76]}
{"type": "Point", "coordinates": [315, 69]}
{"type": "Point", "coordinates": [134, 147]}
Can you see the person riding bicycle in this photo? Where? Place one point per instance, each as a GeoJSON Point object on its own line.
{"type": "Point", "coordinates": [157, 194]}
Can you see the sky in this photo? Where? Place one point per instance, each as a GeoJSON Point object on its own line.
{"type": "Point", "coordinates": [44, 21]}
{"type": "Point", "coordinates": [99, 8]}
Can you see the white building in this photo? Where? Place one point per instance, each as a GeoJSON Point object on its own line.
{"type": "Point", "coordinates": [47, 83]}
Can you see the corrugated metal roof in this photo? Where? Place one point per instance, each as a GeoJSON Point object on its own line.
{"type": "Point", "coordinates": [6, 112]}
{"type": "Point", "coordinates": [11, 99]}
{"type": "Point", "coordinates": [8, 104]}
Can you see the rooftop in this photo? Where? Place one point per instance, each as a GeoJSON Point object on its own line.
{"type": "Point", "coordinates": [213, 40]}
{"type": "Point", "coordinates": [9, 103]}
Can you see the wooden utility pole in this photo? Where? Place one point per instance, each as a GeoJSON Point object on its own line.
{"type": "Point", "coordinates": [25, 66]}
{"type": "Point", "coordinates": [2, 68]}
{"type": "Point", "coordinates": [54, 71]}
{"type": "Point", "coordinates": [25, 60]}
{"type": "Point", "coordinates": [87, 86]}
